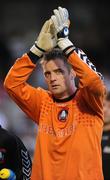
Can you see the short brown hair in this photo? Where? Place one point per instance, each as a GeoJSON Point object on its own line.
{"type": "Point", "coordinates": [53, 54]}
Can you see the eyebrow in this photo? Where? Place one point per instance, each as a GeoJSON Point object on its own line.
{"type": "Point", "coordinates": [59, 69]}
{"type": "Point", "coordinates": [46, 72]}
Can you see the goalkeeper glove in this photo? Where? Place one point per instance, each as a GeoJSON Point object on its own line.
{"type": "Point", "coordinates": [46, 39]}
{"type": "Point", "coordinates": [61, 26]}
{"type": "Point", "coordinates": [7, 174]}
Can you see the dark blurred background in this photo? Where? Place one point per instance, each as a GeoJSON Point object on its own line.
{"type": "Point", "coordinates": [20, 23]}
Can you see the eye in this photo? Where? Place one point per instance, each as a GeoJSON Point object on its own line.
{"type": "Point", "coordinates": [59, 71]}
{"type": "Point", "coordinates": [47, 74]}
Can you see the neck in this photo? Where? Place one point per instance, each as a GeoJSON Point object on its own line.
{"type": "Point", "coordinates": [66, 98]}
{"type": "Point", "coordinates": [71, 90]}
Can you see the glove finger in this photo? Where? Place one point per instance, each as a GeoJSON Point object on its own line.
{"type": "Point", "coordinates": [55, 22]}
{"type": "Point", "coordinates": [62, 14]}
{"type": "Point", "coordinates": [65, 16]}
{"type": "Point", "coordinates": [56, 13]}
{"type": "Point", "coordinates": [51, 28]}
{"type": "Point", "coordinates": [53, 32]}
{"type": "Point", "coordinates": [45, 27]}
{"type": "Point", "coordinates": [48, 26]}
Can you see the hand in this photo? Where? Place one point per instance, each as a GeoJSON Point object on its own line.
{"type": "Point", "coordinates": [61, 23]}
{"type": "Point", "coordinates": [46, 39]}
{"type": "Point", "coordinates": [7, 174]}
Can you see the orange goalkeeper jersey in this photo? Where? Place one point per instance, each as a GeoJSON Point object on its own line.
{"type": "Point", "coordinates": [68, 145]}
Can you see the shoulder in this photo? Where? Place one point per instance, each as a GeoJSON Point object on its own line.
{"type": "Point", "coordinates": [44, 93]}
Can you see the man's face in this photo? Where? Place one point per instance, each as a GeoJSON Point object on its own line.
{"type": "Point", "coordinates": [58, 78]}
{"type": "Point", "coordinates": [107, 110]}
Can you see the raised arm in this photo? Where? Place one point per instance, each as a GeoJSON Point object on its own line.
{"type": "Point", "coordinates": [27, 97]}
{"type": "Point", "coordinates": [90, 81]}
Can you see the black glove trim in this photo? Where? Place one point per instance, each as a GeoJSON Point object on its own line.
{"type": "Point", "coordinates": [69, 50]}
{"type": "Point", "coordinates": [34, 58]}
{"type": "Point", "coordinates": [63, 33]}
{"type": "Point", "coordinates": [67, 55]}
{"type": "Point", "coordinates": [66, 49]}
{"type": "Point", "coordinates": [39, 48]}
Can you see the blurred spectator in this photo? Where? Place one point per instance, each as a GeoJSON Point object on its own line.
{"type": "Point", "coordinates": [106, 139]}
{"type": "Point", "coordinates": [18, 124]}
{"type": "Point", "coordinates": [15, 121]}
{"type": "Point", "coordinates": [3, 118]}
{"type": "Point", "coordinates": [5, 59]}
{"type": "Point", "coordinates": [14, 155]}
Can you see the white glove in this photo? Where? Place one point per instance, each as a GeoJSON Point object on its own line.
{"type": "Point", "coordinates": [46, 39]}
{"type": "Point", "coordinates": [61, 23]}
{"type": "Point", "coordinates": [61, 20]}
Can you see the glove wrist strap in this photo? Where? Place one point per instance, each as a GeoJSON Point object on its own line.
{"type": "Point", "coordinates": [42, 50]}
{"type": "Point", "coordinates": [69, 50]}
{"type": "Point", "coordinates": [66, 45]}
{"type": "Point", "coordinates": [63, 33]}
{"type": "Point", "coordinates": [37, 50]}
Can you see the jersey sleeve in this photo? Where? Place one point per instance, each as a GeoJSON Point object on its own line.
{"type": "Point", "coordinates": [27, 97]}
{"type": "Point", "coordinates": [24, 163]}
{"type": "Point", "coordinates": [91, 82]}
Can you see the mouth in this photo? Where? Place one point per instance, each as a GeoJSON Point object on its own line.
{"type": "Point", "coordinates": [54, 86]}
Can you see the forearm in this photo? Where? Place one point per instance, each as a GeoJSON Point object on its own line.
{"type": "Point", "coordinates": [26, 96]}
{"type": "Point", "coordinates": [84, 69]}
{"type": "Point", "coordinates": [19, 73]}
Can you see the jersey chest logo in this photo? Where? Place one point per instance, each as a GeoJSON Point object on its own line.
{"type": "Point", "coordinates": [62, 115]}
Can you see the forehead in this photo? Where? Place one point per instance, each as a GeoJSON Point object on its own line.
{"type": "Point", "coordinates": [53, 64]}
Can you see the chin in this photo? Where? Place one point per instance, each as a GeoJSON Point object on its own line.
{"type": "Point", "coordinates": [56, 93]}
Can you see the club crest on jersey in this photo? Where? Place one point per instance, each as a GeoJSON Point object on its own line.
{"type": "Point", "coordinates": [62, 116]}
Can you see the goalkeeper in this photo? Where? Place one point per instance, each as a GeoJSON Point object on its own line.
{"type": "Point", "coordinates": [70, 119]}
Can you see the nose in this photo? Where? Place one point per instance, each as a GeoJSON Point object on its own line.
{"type": "Point", "coordinates": [52, 77]}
